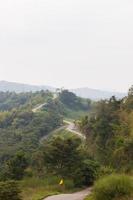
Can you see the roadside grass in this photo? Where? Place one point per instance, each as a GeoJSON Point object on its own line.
{"type": "Point", "coordinates": [90, 197]}
{"type": "Point", "coordinates": [64, 134]}
{"type": "Point", "coordinates": [113, 187]}
{"type": "Point", "coordinates": [38, 189]}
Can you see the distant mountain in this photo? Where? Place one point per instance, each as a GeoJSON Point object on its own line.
{"type": "Point", "coordinates": [81, 92]}
{"type": "Point", "coordinates": [19, 87]}
{"type": "Point", "coordinates": [96, 94]}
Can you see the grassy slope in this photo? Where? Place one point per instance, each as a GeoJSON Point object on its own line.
{"type": "Point", "coordinates": [64, 133]}
{"type": "Point", "coordinates": [37, 189]}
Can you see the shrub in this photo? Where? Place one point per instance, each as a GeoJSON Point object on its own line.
{"type": "Point", "coordinates": [106, 171]}
{"type": "Point", "coordinates": [87, 173]}
{"type": "Point", "coordinates": [9, 191]}
{"type": "Point", "coordinates": [113, 187]}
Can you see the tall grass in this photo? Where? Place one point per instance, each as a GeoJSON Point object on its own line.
{"type": "Point", "coordinates": [113, 187]}
{"type": "Point", "coordinates": [37, 189]}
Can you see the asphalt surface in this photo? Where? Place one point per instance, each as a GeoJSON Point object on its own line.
{"type": "Point", "coordinates": [72, 128]}
{"type": "Point", "coordinates": [75, 196]}
{"type": "Point", "coordinates": [78, 195]}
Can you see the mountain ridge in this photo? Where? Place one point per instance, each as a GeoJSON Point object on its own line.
{"type": "Point", "coordinates": [97, 94]}
{"type": "Point", "coordinates": [85, 92]}
{"type": "Point", "coordinates": [22, 87]}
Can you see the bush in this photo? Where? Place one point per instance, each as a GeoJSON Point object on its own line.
{"type": "Point", "coordinates": [106, 171]}
{"type": "Point", "coordinates": [87, 173]}
{"type": "Point", "coordinates": [9, 191]}
{"type": "Point", "coordinates": [113, 187]}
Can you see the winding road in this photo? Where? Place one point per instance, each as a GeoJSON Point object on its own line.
{"type": "Point", "coordinates": [38, 107]}
{"type": "Point", "coordinates": [70, 125]}
{"type": "Point", "coordinates": [73, 129]}
{"type": "Point", "coordinates": [75, 196]}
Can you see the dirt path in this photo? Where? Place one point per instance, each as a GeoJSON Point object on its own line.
{"type": "Point", "coordinates": [75, 196]}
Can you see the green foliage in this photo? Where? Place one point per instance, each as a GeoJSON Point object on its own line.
{"type": "Point", "coordinates": [21, 130]}
{"type": "Point", "coordinates": [106, 170]}
{"type": "Point", "coordinates": [124, 155]}
{"type": "Point", "coordinates": [70, 100]}
{"type": "Point", "coordinates": [15, 167]}
{"type": "Point", "coordinates": [55, 106]}
{"type": "Point", "coordinates": [9, 191]}
{"type": "Point", "coordinates": [66, 157]}
{"type": "Point", "coordinates": [38, 188]}
{"type": "Point", "coordinates": [11, 100]}
{"type": "Point", "coordinates": [87, 173]}
{"type": "Point", "coordinates": [113, 187]}
{"type": "Point", "coordinates": [68, 105]}
{"type": "Point", "coordinates": [62, 155]}
{"type": "Point", "coordinates": [109, 133]}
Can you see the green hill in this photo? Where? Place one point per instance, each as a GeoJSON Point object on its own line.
{"type": "Point", "coordinates": [22, 129]}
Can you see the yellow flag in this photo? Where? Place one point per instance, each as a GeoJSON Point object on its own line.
{"type": "Point", "coordinates": [61, 182]}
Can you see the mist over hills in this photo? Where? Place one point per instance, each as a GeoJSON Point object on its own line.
{"type": "Point", "coordinates": [20, 87]}
{"type": "Point", "coordinates": [93, 94]}
{"type": "Point", "coordinates": [97, 94]}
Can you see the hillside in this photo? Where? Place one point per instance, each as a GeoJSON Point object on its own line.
{"type": "Point", "coordinates": [37, 149]}
{"type": "Point", "coordinates": [109, 133]}
{"type": "Point", "coordinates": [21, 128]}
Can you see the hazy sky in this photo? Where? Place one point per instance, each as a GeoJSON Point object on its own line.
{"type": "Point", "coordinates": [70, 43]}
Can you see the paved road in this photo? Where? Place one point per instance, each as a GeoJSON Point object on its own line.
{"type": "Point", "coordinates": [38, 107]}
{"type": "Point", "coordinates": [75, 196]}
{"type": "Point", "coordinates": [72, 128]}
{"type": "Point", "coordinates": [78, 195]}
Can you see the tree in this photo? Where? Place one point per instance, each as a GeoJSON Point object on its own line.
{"type": "Point", "coordinates": [87, 173]}
{"type": "Point", "coordinates": [15, 167]}
{"type": "Point", "coordinates": [130, 92]}
{"type": "Point", "coordinates": [62, 156]}
{"type": "Point", "coordinates": [9, 191]}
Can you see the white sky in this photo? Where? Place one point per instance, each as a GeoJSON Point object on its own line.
{"type": "Point", "coordinates": [70, 43]}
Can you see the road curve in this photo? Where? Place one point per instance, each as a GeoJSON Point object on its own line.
{"type": "Point", "coordinates": [72, 128]}
{"type": "Point", "coordinates": [75, 196]}
{"type": "Point", "coordinates": [38, 107]}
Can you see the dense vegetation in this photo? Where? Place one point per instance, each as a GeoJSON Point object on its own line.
{"type": "Point", "coordinates": [114, 187]}
{"type": "Point", "coordinates": [69, 105]}
{"type": "Point", "coordinates": [110, 133]}
{"type": "Point", "coordinates": [67, 157]}
{"type": "Point", "coordinates": [10, 100]}
{"type": "Point", "coordinates": [9, 191]}
{"type": "Point", "coordinates": [26, 157]}
{"type": "Point", "coordinates": [22, 129]}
